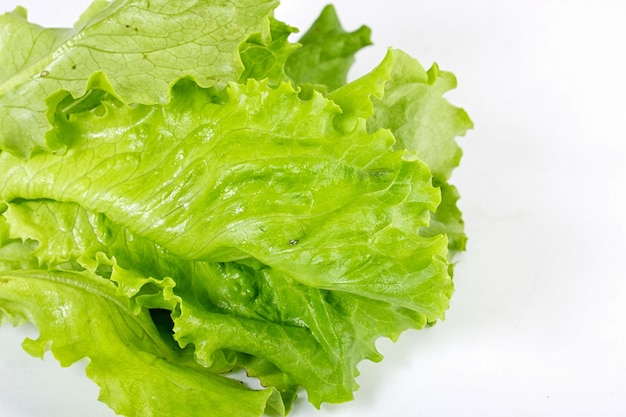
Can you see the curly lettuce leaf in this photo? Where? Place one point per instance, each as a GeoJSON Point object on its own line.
{"type": "Point", "coordinates": [236, 205]}
{"type": "Point", "coordinates": [272, 164]}
{"type": "Point", "coordinates": [327, 53]}
{"type": "Point", "coordinates": [299, 234]}
{"type": "Point", "coordinates": [414, 108]}
{"type": "Point", "coordinates": [76, 261]}
{"type": "Point", "coordinates": [64, 235]}
{"type": "Point", "coordinates": [142, 47]}
{"type": "Point", "coordinates": [401, 96]}
{"type": "Point", "coordinates": [79, 316]}
{"type": "Point", "coordinates": [448, 220]}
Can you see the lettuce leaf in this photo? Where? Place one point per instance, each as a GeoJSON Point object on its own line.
{"type": "Point", "coordinates": [239, 206]}
{"type": "Point", "coordinates": [414, 109]}
{"type": "Point", "coordinates": [290, 209]}
{"type": "Point", "coordinates": [401, 96]}
{"type": "Point", "coordinates": [265, 58]}
{"type": "Point", "coordinates": [141, 46]}
{"type": "Point", "coordinates": [327, 52]}
{"type": "Point", "coordinates": [80, 316]}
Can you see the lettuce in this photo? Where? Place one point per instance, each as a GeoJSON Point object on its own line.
{"type": "Point", "coordinates": [186, 193]}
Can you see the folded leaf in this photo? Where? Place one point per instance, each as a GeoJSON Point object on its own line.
{"type": "Point", "coordinates": [80, 316]}
{"type": "Point", "coordinates": [414, 109]}
{"type": "Point", "coordinates": [401, 96]}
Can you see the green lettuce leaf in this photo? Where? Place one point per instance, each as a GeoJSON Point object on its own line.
{"type": "Point", "coordinates": [66, 236]}
{"type": "Point", "coordinates": [421, 119]}
{"type": "Point", "coordinates": [80, 316]}
{"type": "Point", "coordinates": [141, 46]}
{"type": "Point", "coordinates": [448, 220]}
{"type": "Point", "coordinates": [163, 157]}
{"type": "Point", "coordinates": [222, 200]}
{"type": "Point", "coordinates": [401, 96]}
{"type": "Point", "coordinates": [286, 256]}
{"type": "Point", "coordinates": [266, 58]}
{"type": "Point", "coordinates": [414, 109]}
{"type": "Point", "coordinates": [327, 53]}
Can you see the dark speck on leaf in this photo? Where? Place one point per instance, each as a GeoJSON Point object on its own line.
{"type": "Point", "coordinates": [379, 173]}
{"type": "Point", "coordinates": [293, 242]}
{"type": "Point", "coordinates": [74, 66]}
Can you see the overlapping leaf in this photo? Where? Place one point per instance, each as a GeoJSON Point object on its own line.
{"type": "Point", "coordinates": [142, 46]}
{"type": "Point", "coordinates": [235, 204]}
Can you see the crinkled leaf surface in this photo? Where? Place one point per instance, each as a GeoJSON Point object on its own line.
{"type": "Point", "coordinates": [265, 161]}
{"type": "Point", "coordinates": [291, 228]}
{"type": "Point", "coordinates": [414, 108]}
{"type": "Point", "coordinates": [142, 46]}
{"type": "Point", "coordinates": [421, 119]}
{"type": "Point", "coordinates": [80, 316]}
{"type": "Point", "coordinates": [221, 199]}
{"type": "Point", "coordinates": [401, 96]}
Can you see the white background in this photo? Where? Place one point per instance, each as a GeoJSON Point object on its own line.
{"type": "Point", "coordinates": [537, 325]}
